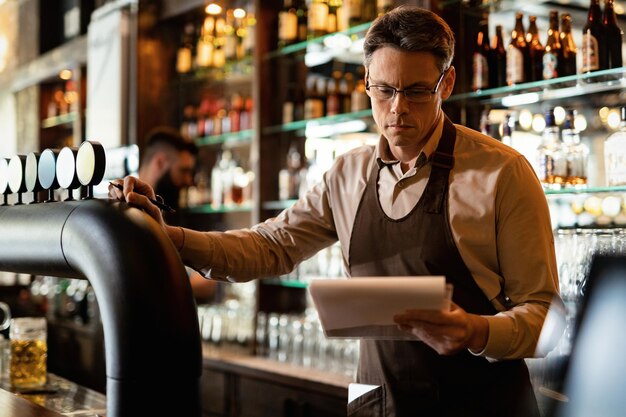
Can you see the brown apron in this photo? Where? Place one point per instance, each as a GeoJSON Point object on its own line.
{"type": "Point", "coordinates": [414, 380]}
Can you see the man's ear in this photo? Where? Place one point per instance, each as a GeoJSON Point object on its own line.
{"type": "Point", "coordinates": [162, 162]}
{"type": "Point", "coordinates": [448, 83]}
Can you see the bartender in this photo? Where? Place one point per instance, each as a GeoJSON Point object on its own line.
{"type": "Point", "coordinates": [431, 198]}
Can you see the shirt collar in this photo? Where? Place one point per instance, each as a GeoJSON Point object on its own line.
{"type": "Point", "coordinates": [385, 157]}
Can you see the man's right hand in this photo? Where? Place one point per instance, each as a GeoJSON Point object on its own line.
{"type": "Point", "coordinates": [137, 193]}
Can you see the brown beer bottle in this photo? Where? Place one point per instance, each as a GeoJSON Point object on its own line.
{"type": "Point", "coordinates": [553, 53]}
{"type": "Point", "coordinates": [593, 43]}
{"type": "Point", "coordinates": [567, 65]}
{"type": "Point", "coordinates": [480, 58]}
{"type": "Point", "coordinates": [517, 54]}
{"type": "Point", "coordinates": [497, 69]}
{"type": "Point", "coordinates": [613, 36]}
{"type": "Point", "coordinates": [535, 50]}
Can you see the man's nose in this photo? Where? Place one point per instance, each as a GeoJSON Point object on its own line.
{"type": "Point", "coordinates": [399, 104]}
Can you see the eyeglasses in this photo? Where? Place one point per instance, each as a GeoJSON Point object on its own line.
{"type": "Point", "coordinates": [414, 95]}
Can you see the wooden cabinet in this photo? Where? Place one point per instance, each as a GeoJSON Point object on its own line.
{"type": "Point", "coordinates": [236, 385]}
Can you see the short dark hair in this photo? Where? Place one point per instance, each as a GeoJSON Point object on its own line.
{"type": "Point", "coordinates": [168, 140]}
{"type": "Point", "coordinates": [411, 29]}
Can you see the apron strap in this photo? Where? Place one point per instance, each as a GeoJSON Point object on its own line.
{"type": "Point", "coordinates": [442, 161]}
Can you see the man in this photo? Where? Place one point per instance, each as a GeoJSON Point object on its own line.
{"type": "Point", "coordinates": [167, 165]}
{"type": "Point", "coordinates": [432, 198]}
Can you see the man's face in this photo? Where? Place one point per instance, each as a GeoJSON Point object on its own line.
{"type": "Point", "coordinates": [402, 122]}
{"type": "Point", "coordinates": [181, 170]}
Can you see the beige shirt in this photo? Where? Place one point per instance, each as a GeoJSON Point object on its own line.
{"type": "Point", "coordinates": [498, 215]}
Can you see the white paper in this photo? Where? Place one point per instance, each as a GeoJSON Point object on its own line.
{"type": "Point", "coordinates": [364, 307]}
{"type": "Point", "coordinates": [357, 390]}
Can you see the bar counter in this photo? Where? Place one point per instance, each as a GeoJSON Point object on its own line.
{"type": "Point", "coordinates": [59, 397]}
{"type": "Point", "coordinates": [233, 383]}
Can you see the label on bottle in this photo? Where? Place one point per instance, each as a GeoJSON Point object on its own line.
{"type": "Point", "coordinates": [591, 60]}
{"type": "Point", "coordinates": [318, 17]}
{"type": "Point", "coordinates": [550, 66]}
{"type": "Point", "coordinates": [615, 159]}
{"type": "Point", "coordinates": [481, 72]}
{"type": "Point", "coordinates": [514, 65]}
{"type": "Point", "coordinates": [287, 26]}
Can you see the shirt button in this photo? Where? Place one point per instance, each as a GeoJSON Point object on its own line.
{"type": "Point", "coordinates": [400, 184]}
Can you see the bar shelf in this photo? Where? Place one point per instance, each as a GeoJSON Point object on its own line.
{"type": "Point", "coordinates": [544, 90]}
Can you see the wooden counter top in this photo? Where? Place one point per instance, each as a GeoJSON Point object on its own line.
{"type": "Point", "coordinates": [58, 398]}
{"type": "Point", "coordinates": [237, 360]}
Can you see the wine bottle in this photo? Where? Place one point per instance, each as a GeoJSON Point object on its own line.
{"type": "Point", "coordinates": [498, 60]}
{"type": "Point", "coordinates": [568, 47]}
{"type": "Point", "coordinates": [480, 58]}
{"type": "Point", "coordinates": [613, 35]}
{"type": "Point", "coordinates": [318, 18]}
{"type": "Point", "coordinates": [593, 41]}
{"type": "Point", "coordinates": [287, 24]}
{"type": "Point", "coordinates": [535, 50]}
{"type": "Point", "coordinates": [553, 52]}
{"type": "Point", "coordinates": [517, 53]}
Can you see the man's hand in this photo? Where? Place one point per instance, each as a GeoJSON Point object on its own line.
{"type": "Point", "coordinates": [136, 193]}
{"type": "Point", "coordinates": [447, 332]}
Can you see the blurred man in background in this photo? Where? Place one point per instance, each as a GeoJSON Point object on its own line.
{"type": "Point", "coordinates": [167, 163]}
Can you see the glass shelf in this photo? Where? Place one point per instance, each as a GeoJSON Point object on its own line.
{"type": "Point", "coordinates": [278, 205]}
{"type": "Point", "coordinates": [232, 72]}
{"type": "Point", "coordinates": [588, 190]}
{"type": "Point", "coordinates": [61, 120]}
{"type": "Point", "coordinates": [557, 88]}
{"type": "Point", "coordinates": [286, 283]}
{"type": "Point", "coordinates": [209, 209]}
{"type": "Point", "coordinates": [321, 121]}
{"type": "Point", "coordinates": [352, 33]}
{"type": "Point", "coordinates": [235, 138]}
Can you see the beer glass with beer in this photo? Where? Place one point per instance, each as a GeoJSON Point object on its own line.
{"type": "Point", "coordinates": [29, 351]}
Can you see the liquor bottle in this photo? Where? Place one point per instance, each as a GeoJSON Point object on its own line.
{"type": "Point", "coordinates": [184, 55]}
{"type": "Point", "coordinates": [550, 154]}
{"type": "Point", "coordinates": [353, 12]}
{"type": "Point", "coordinates": [480, 58]}
{"type": "Point", "coordinates": [334, 16]}
{"type": "Point", "coordinates": [313, 104]}
{"type": "Point", "coordinates": [231, 40]}
{"type": "Point", "coordinates": [333, 100]}
{"type": "Point", "coordinates": [302, 14]}
{"type": "Point", "coordinates": [593, 43]}
{"type": "Point", "coordinates": [517, 53]}
{"type": "Point", "coordinates": [287, 24]}
{"type": "Point", "coordinates": [288, 177]}
{"type": "Point", "coordinates": [219, 57]}
{"type": "Point", "coordinates": [289, 104]}
{"type": "Point", "coordinates": [384, 6]}
{"type": "Point", "coordinates": [498, 60]}
{"type": "Point", "coordinates": [553, 52]}
{"type": "Point", "coordinates": [368, 10]}
{"type": "Point", "coordinates": [576, 154]}
{"type": "Point", "coordinates": [615, 154]}
{"type": "Point", "coordinates": [535, 50]}
{"type": "Point", "coordinates": [204, 48]}
{"type": "Point", "coordinates": [317, 18]}
{"type": "Point", "coordinates": [360, 99]}
{"type": "Point", "coordinates": [613, 36]}
{"type": "Point", "coordinates": [346, 86]}
{"type": "Point", "coordinates": [249, 30]}
{"type": "Point", "coordinates": [567, 66]}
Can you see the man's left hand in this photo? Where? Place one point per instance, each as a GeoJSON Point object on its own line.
{"type": "Point", "coordinates": [447, 332]}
